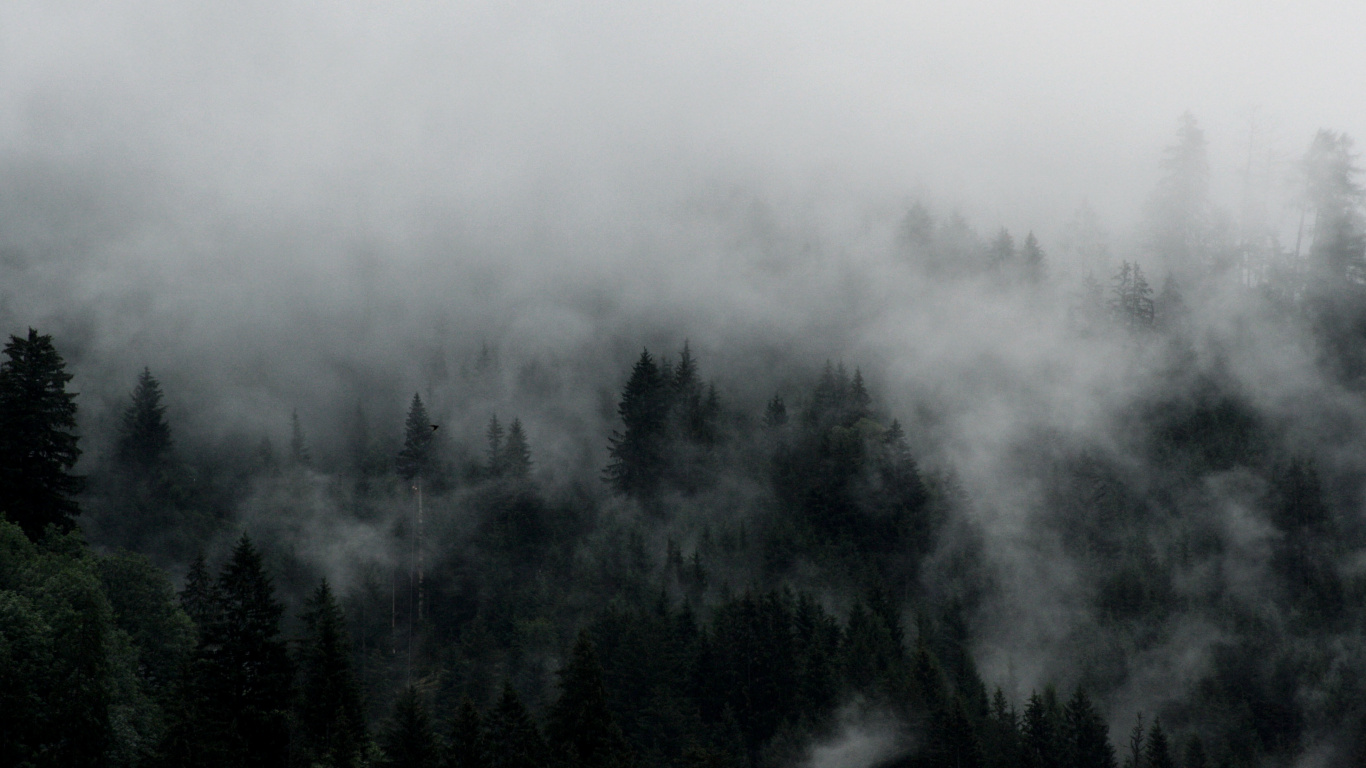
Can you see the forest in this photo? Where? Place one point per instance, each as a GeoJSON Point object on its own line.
{"type": "Point", "coordinates": [671, 547]}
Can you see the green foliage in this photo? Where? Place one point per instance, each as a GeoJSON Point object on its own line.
{"type": "Point", "coordinates": [37, 437]}
{"type": "Point", "coordinates": [144, 440]}
{"type": "Point", "coordinates": [408, 740]}
{"type": "Point", "coordinates": [581, 728]}
{"type": "Point", "coordinates": [417, 459]}
{"type": "Point", "coordinates": [331, 725]}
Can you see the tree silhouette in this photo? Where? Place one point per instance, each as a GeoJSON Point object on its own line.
{"type": "Point", "coordinates": [37, 437]}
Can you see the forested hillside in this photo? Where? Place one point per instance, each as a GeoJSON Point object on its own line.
{"type": "Point", "coordinates": [958, 500]}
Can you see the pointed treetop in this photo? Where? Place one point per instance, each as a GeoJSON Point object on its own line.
{"type": "Point", "coordinates": [144, 436]}
{"type": "Point", "coordinates": [416, 459]}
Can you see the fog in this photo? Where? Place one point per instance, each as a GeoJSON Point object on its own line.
{"type": "Point", "coordinates": [293, 206]}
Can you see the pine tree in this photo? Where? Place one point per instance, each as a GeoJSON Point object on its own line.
{"type": "Point", "coordinates": [494, 436]}
{"type": "Point", "coordinates": [330, 720]}
{"type": "Point", "coordinates": [1040, 731]}
{"type": "Point", "coordinates": [416, 459]}
{"type": "Point", "coordinates": [516, 454]}
{"type": "Point", "coordinates": [1158, 753]}
{"type": "Point", "coordinates": [144, 441]}
{"type": "Point", "coordinates": [638, 451]}
{"type": "Point", "coordinates": [1001, 252]}
{"type": "Point", "coordinates": [37, 437]}
{"type": "Point", "coordinates": [467, 746]}
{"type": "Point", "coordinates": [581, 728]}
{"type": "Point", "coordinates": [860, 402]}
{"type": "Point", "coordinates": [199, 597]}
{"type": "Point", "coordinates": [248, 671]}
{"type": "Point", "coordinates": [1177, 218]}
{"type": "Point", "coordinates": [299, 454]}
{"type": "Point", "coordinates": [408, 740]}
{"type": "Point", "coordinates": [1087, 735]}
{"type": "Point", "coordinates": [514, 741]}
{"type": "Point", "coordinates": [1136, 756]}
{"type": "Point", "coordinates": [1033, 260]}
{"type": "Point", "coordinates": [775, 414]}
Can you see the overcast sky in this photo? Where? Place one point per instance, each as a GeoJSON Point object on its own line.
{"type": "Point", "coordinates": [377, 113]}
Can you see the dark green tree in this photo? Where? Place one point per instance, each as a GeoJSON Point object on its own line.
{"type": "Point", "coordinates": [581, 728]}
{"type": "Point", "coordinates": [467, 746]}
{"type": "Point", "coordinates": [299, 455]}
{"type": "Point", "coordinates": [514, 741]}
{"type": "Point", "coordinates": [1158, 753]}
{"type": "Point", "coordinates": [494, 435]}
{"type": "Point", "coordinates": [408, 740]}
{"type": "Point", "coordinates": [331, 724]}
{"type": "Point", "coordinates": [144, 442]}
{"type": "Point", "coordinates": [248, 671]}
{"type": "Point", "coordinates": [516, 453]}
{"type": "Point", "coordinates": [638, 451]}
{"type": "Point", "coordinates": [37, 437]}
{"type": "Point", "coordinates": [1086, 734]}
{"type": "Point", "coordinates": [417, 458]}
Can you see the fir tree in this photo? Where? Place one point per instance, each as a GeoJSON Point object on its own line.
{"type": "Point", "coordinates": [516, 454]}
{"type": "Point", "coordinates": [37, 437]}
{"type": "Point", "coordinates": [299, 454]}
{"type": "Point", "coordinates": [416, 459]}
{"type": "Point", "coordinates": [467, 746]}
{"type": "Point", "coordinates": [775, 415]}
{"type": "Point", "coordinates": [637, 452]}
{"type": "Point", "coordinates": [330, 720]}
{"type": "Point", "coordinates": [1158, 753]}
{"type": "Point", "coordinates": [249, 674]}
{"type": "Point", "coordinates": [1001, 252]}
{"type": "Point", "coordinates": [1033, 261]}
{"type": "Point", "coordinates": [144, 441]}
{"type": "Point", "coordinates": [1087, 735]}
{"type": "Point", "coordinates": [408, 740]}
{"type": "Point", "coordinates": [514, 741]}
{"type": "Point", "coordinates": [581, 728]}
{"type": "Point", "coordinates": [494, 437]}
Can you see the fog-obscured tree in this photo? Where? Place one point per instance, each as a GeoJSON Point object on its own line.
{"type": "Point", "coordinates": [637, 451]}
{"type": "Point", "coordinates": [408, 741]}
{"type": "Point", "coordinates": [144, 441]}
{"type": "Point", "coordinates": [516, 455]}
{"type": "Point", "coordinates": [331, 724]}
{"type": "Point", "coordinates": [1178, 215]}
{"type": "Point", "coordinates": [299, 455]}
{"type": "Point", "coordinates": [1033, 262]}
{"type": "Point", "coordinates": [493, 436]}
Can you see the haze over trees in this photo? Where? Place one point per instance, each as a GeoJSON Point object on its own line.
{"type": "Point", "coordinates": [1083, 521]}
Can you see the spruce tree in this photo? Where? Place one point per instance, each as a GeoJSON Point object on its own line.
{"type": "Point", "coordinates": [514, 741]}
{"type": "Point", "coordinates": [144, 442]}
{"type": "Point", "coordinates": [516, 453]}
{"type": "Point", "coordinates": [249, 672]}
{"type": "Point", "coordinates": [1087, 735]}
{"type": "Point", "coordinates": [37, 437]}
{"type": "Point", "coordinates": [1001, 252]}
{"type": "Point", "coordinates": [299, 454]}
{"type": "Point", "coordinates": [330, 720]}
{"type": "Point", "coordinates": [467, 746]}
{"type": "Point", "coordinates": [416, 459]}
{"type": "Point", "coordinates": [408, 740]}
{"type": "Point", "coordinates": [494, 436]}
{"type": "Point", "coordinates": [775, 414]}
{"type": "Point", "coordinates": [1158, 753]}
{"type": "Point", "coordinates": [638, 451]}
{"type": "Point", "coordinates": [1033, 260]}
{"type": "Point", "coordinates": [581, 729]}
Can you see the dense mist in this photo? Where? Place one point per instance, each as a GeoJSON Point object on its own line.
{"type": "Point", "coordinates": [1029, 338]}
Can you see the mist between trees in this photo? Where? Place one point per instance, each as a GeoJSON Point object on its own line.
{"type": "Point", "coordinates": [790, 491]}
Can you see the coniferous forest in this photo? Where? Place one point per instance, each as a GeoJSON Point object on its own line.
{"type": "Point", "coordinates": [764, 480]}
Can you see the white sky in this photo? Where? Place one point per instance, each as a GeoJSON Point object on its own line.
{"type": "Point", "coordinates": [1014, 110]}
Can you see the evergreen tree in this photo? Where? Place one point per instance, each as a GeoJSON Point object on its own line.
{"type": "Point", "coordinates": [1158, 753]}
{"type": "Point", "coordinates": [860, 402]}
{"type": "Point", "coordinates": [581, 729]}
{"type": "Point", "coordinates": [408, 740]}
{"type": "Point", "coordinates": [1033, 261]}
{"type": "Point", "coordinates": [37, 437]}
{"type": "Point", "coordinates": [144, 441]}
{"type": "Point", "coordinates": [467, 746]}
{"type": "Point", "coordinates": [330, 720]}
{"type": "Point", "coordinates": [299, 454]}
{"type": "Point", "coordinates": [516, 460]}
{"type": "Point", "coordinates": [1087, 735]}
{"type": "Point", "coordinates": [417, 459]}
{"type": "Point", "coordinates": [514, 741]}
{"type": "Point", "coordinates": [199, 597]}
{"type": "Point", "coordinates": [1338, 249]}
{"type": "Point", "coordinates": [494, 436]}
{"type": "Point", "coordinates": [1178, 216]}
{"type": "Point", "coordinates": [638, 451]}
{"type": "Point", "coordinates": [1040, 731]}
{"type": "Point", "coordinates": [1136, 755]}
{"type": "Point", "coordinates": [775, 414]}
{"type": "Point", "coordinates": [248, 671]}
{"type": "Point", "coordinates": [1001, 252]}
